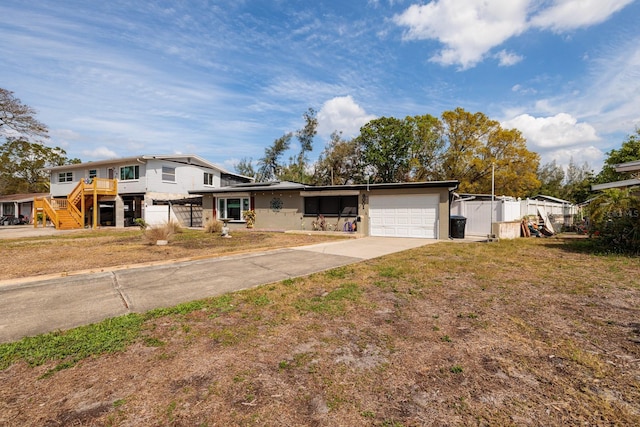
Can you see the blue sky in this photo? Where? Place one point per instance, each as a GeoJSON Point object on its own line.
{"type": "Point", "coordinates": [223, 79]}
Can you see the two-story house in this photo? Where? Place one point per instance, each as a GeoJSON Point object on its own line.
{"type": "Point", "coordinates": [119, 191]}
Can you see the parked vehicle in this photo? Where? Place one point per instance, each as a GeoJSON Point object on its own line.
{"type": "Point", "coordinates": [13, 220]}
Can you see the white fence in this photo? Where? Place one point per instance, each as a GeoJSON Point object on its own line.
{"type": "Point", "coordinates": [158, 215]}
{"type": "Point", "coordinates": [478, 213]}
{"type": "Point", "coordinates": [479, 218]}
{"type": "Point", "coordinates": [186, 216]}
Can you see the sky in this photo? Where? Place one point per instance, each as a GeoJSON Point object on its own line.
{"type": "Point", "coordinates": [224, 79]}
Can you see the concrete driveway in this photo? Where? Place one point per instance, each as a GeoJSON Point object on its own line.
{"type": "Point", "coordinates": [35, 306]}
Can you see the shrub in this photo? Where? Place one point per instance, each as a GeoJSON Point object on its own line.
{"type": "Point", "coordinates": [213, 226]}
{"type": "Point", "coordinates": [175, 226]}
{"type": "Point", "coordinates": [615, 221]}
{"type": "Point", "coordinates": [141, 223]}
{"type": "Point", "coordinates": [163, 231]}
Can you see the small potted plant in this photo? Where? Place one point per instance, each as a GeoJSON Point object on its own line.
{"type": "Point", "coordinates": [250, 217]}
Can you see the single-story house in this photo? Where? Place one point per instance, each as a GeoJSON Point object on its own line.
{"type": "Point", "coordinates": [410, 209]}
{"type": "Point", "coordinates": [18, 207]}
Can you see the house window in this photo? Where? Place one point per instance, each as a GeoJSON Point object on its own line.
{"type": "Point", "coordinates": [168, 174]}
{"type": "Point", "coordinates": [65, 177]}
{"type": "Point", "coordinates": [93, 173]}
{"type": "Point", "coordinates": [331, 206]}
{"type": "Point", "coordinates": [232, 208]}
{"type": "Point", "coordinates": [208, 178]}
{"type": "Point", "coordinates": [129, 172]}
{"type": "Point", "coordinates": [8, 209]}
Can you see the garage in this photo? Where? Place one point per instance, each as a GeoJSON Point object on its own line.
{"type": "Point", "coordinates": [407, 215]}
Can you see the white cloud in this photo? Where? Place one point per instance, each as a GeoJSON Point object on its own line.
{"type": "Point", "coordinates": [343, 114]}
{"type": "Point", "coordinates": [566, 15]}
{"type": "Point", "coordinates": [507, 59]}
{"type": "Point", "coordinates": [290, 87]}
{"type": "Point", "coordinates": [518, 88]}
{"type": "Point", "coordinates": [578, 156]}
{"type": "Point", "coordinates": [468, 29]}
{"type": "Point", "coordinates": [100, 153]}
{"type": "Point", "coordinates": [561, 130]}
{"type": "Point", "coordinates": [561, 138]}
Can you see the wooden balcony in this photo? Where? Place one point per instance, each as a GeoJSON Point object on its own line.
{"type": "Point", "coordinates": [101, 186]}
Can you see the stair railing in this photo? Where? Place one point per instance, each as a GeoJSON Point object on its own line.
{"type": "Point", "coordinates": [44, 205]}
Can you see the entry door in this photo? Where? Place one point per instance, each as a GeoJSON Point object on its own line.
{"type": "Point", "coordinates": [414, 215]}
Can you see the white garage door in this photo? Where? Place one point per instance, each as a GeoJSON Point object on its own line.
{"type": "Point", "coordinates": [404, 216]}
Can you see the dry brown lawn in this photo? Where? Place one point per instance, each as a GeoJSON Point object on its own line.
{"type": "Point", "coordinates": [94, 249]}
{"type": "Point", "coordinates": [533, 332]}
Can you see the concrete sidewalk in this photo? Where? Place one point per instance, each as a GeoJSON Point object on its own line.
{"type": "Point", "coordinates": [35, 307]}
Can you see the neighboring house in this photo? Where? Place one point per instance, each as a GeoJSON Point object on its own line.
{"type": "Point", "coordinates": [631, 167]}
{"type": "Point", "coordinates": [411, 209]}
{"type": "Point", "coordinates": [17, 207]}
{"type": "Point", "coordinates": [136, 185]}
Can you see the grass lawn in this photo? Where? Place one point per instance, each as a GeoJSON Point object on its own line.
{"type": "Point", "coordinates": [92, 249]}
{"type": "Point", "coordinates": [524, 332]}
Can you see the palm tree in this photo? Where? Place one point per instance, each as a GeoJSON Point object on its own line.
{"type": "Point", "coordinates": [615, 218]}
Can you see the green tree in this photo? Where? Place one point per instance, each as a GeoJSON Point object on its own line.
{"type": "Point", "coordinates": [551, 176]}
{"type": "Point", "coordinates": [305, 136]}
{"type": "Point", "coordinates": [339, 163]}
{"type": "Point", "coordinates": [23, 163]}
{"type": "Point", "coordinates": [245, 167]}
{"type": "Point", "coordinates": [296, 170]}
{"type": "Point", "coordinates": [577, 183]}
{"type": "Point", "coordinates": [615, 220]}
{"type": "Point", "coordinates": [269, 166]}
{"type": "Point", "coordinates": [628, 152]}
{"type": "Point", "coordinates": [23, 155]}
{"type": "Point", "coordinates": [427, 147]}
{"type": "Point", "coordinates": [476, 145]}
{"type": "Point", "coordinates": [386, 149]}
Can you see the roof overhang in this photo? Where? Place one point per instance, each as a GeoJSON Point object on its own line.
{"type": "Point", "coordinates": [628, 166]}
{"type": "Point", "coordinates": [21, 198]}
{"type": "Point", "coordinates": [616, 184]}
{"type": "Point", "coordinates": [336, 189]}
{"type": "Point", "coordinates": [187, 159]}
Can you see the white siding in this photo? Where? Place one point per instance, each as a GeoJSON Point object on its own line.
{"type": "Point", "coordinates": [134, 185]}
{"type": "Point", "coordinates": [188, 177]}
{"type": "Point", "coordinates": [414, 215]}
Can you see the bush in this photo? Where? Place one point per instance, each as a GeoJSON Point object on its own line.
{"type": "Point", "coordinates": [615, 221]}
{"type": "Point", "coordinates": [141, 223]}
{"type": "Point", "coordinates": [213, 226]}
{"type": "Point", "coordinates": [619, 235]}
{"type": "Point", "coordinates": [164, 231]}
{"type": "Point", "coordinates": [175, 226]}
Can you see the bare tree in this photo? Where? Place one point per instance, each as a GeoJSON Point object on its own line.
{"type": "Point", "coordinates": [17, 119]}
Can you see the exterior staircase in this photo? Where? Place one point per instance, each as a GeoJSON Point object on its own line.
{"type": "Point", "coordinates": [69, 213]}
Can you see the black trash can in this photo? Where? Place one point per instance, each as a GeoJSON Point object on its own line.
{"type": "Point", "coordinates": [456, 226]}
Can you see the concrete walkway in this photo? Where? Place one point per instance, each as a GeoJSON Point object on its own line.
{"type": "Point", "coordinates": [32, 307]}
